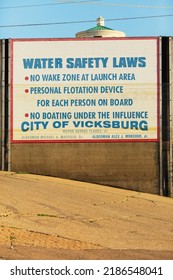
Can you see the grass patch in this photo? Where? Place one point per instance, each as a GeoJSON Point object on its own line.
{"type": "Point", "coordinates": [12, 237]}
{"type": "Point", "coordinates": [46, 215]}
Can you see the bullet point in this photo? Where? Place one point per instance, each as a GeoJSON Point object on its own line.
{"type": "Point", "coordinates": [26, 78]}
{"type": "Point", "coordinates": [26, 115]}
{"type": "Point", "coordinates": [26, 90]}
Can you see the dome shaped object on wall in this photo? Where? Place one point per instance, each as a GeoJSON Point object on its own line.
{"type": "Point", "coordinates": [100, 30]}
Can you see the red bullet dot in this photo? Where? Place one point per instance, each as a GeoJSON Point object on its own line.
{"type": "Point", "coordinates": [26, 115]}
{"type": "Point", "coordinates": [26, 78]}
{"type": "Point", "coordinates": [26, 90]}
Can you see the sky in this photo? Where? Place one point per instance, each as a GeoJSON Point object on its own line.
{"type": "Point", "coordinates": [64, 18]}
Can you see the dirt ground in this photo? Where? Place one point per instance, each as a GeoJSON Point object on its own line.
{"type": "Point", "coordinates": [51, 218]}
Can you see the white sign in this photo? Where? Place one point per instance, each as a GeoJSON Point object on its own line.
{"type": "Point", "coordinates": [94, 90]}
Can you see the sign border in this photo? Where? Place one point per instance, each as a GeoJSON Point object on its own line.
{"type": "Point", "coordinates": [12, 41]}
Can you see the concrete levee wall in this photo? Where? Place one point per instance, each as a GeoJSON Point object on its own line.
{"type": "Point", "coordinates": [133, 166]}
{"type": "Point", "coordinates": [128, 165]}
{"type": "Point", "coordinates": [171, 118]}
{"type": "Point", "coordinates": [1, 104]}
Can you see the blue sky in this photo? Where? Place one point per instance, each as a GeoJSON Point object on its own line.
{"type": "Point", "coordinates": [64, 18]}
